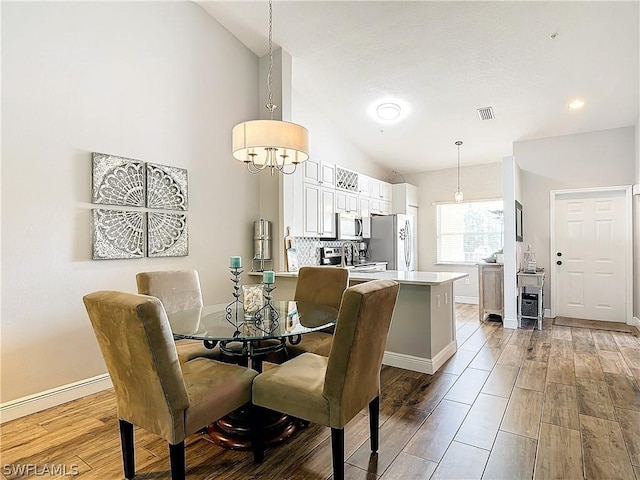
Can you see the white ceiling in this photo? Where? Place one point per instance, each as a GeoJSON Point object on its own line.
{"type": "Point", "coordinates": [447, 59]}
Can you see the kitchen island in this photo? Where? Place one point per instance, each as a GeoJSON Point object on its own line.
{"type": "Point", "coordinates": [423, 330]}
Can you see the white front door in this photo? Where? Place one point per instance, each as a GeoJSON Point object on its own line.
{"type": "Point", "coordinates": [590, 257]}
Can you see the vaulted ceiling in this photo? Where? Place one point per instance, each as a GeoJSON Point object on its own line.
{"type": "Point", "coordinates": [445, 60]}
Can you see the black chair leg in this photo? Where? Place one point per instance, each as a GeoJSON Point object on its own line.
{"type": "Point", "coordinates": [374, 423]}
{"type": "Point", "coordinates": [256, 417]}
{"type": "Point", "coordinates": [177, 459]}
{"type": "Point", "coordinates": [337, 453]}
{"type": "Point", "coordinates": [126, 440]}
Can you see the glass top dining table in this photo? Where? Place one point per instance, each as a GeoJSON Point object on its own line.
{"type": "Point", "coordinates": [240, 334]}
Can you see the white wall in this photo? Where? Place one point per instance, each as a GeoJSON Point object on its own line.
{"type": "Point", "coordinates": [156, 81]}
{"type": "Point", "coordinates": [477, 182]}
{"type": "Point", "coordinates": [595, 159]}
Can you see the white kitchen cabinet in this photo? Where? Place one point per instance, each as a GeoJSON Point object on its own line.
{"type": "Point", "coordinates": [346, 202]}
{"type": "Point", "coordinates": [364, 185]}
{"type": "Point", "coordinates": [381, 190]}
{"type": "Point", "coordinates": [365, 206]}
{"type": "Point", "coordinates": [320, 173]}
{"type": "Point", "coordinates": [405, 196]}
{"type": "Point", "coordinates": [318, 211]}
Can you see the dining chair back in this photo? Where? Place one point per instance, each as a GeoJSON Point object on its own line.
{"type": "Point", "coordinates": [331, 391]}
{"type": "Point", "coordinates": [153, 391]}
{"type": "Point", "coordinates": [178, 290]}
{"type": "Point", "coordinates": [324, 286]}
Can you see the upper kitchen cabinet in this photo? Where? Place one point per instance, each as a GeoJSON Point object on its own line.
{"type": "Point", "coordinates": [364, 185]}
{"type": "Point", "coordinates": [381, 190]}
{"type": "Point", "coordinates": [347, 191]}
{"type": "Point", "coordinates": [319, 210]}
{"type": "Point", "coordinates": [405, 196]}
{"type": "Point", "coordinates": [319, 173]}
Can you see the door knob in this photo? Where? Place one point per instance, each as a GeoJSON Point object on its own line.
{"type": "Point", "coordinates": [558, 262]}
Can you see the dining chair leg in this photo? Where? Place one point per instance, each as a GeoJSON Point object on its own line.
{"type": "Point", "coordinates": [256, 417]}
{"type": "Point", "coordinates": [337, 452]}
{"type": "Point", "coordinates": [374, 423]}
{"type": "Point", "coordinates": [126, 440]}
{"type": "Point", "coordinates": [177, 460]}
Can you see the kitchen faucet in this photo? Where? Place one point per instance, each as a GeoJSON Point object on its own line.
{"type": "Point", "coordinates": [354, 248]}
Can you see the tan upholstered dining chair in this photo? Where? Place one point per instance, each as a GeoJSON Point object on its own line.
{"type": "Point", "coordinates": [325, 286]}
{"type": "Point", "coordinates": [153, 391]}
{"type": "Point", "coordinates": [331, 391]}
{"type": "Point", "coordinates": [178, 290]}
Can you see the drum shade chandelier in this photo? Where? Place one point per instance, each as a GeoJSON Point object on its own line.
{"type": "Point", "coordinates": [272, 144]}
{"type": "Point", "coordinates": [458, 195]}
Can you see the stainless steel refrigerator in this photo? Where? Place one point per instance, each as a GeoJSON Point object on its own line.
{"type": "Point", "coordinates": [393, 240]}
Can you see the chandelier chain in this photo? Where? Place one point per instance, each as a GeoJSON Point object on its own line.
{"type": "Point", "coordinates": [270, 106]}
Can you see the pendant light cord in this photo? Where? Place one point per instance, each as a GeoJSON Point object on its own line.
{"type": "Point", "coordinates": [458, 143]}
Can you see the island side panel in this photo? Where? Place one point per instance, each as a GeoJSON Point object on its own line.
{"type": "Point", "coordinates": [443, 326]}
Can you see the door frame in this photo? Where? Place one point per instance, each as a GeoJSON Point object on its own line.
{"type": "Point", "coordinates": [626, 189]}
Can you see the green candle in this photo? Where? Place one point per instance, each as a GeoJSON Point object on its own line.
{"type": "Point", "coordinates": [235, 262]}
{"type": "Point", "coordinates": [269, 277]}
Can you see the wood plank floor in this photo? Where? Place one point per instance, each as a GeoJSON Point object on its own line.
{"type": "Point", "coordinates": [563, 402]}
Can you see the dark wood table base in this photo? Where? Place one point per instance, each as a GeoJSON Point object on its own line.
{"type": "Point", "coordinates": [234, 430]}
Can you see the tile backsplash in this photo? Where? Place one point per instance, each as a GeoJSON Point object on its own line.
{"type": "Point", "coordinates": [308, 249]}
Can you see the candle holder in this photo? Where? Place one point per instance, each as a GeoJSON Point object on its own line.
{"type": "Point", "coordinates": [268, 313]}
{"type": "Point", "coordinates": [234, 309]}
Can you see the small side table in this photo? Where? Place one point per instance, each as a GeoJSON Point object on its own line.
{"type": "Point", "coordinates": [535, 282]}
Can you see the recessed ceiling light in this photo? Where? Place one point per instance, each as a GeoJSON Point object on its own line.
{"type": "Point", "coordinates": [576, 104]}
{"type": "Point", "coordinates": [388, 111]}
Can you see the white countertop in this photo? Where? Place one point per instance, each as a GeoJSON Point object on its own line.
{"type": "Point", "coordinates": [415, 278]}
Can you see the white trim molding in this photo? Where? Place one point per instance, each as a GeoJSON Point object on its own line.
{"type": "Point", "coordinates": [635, 321]}
{"type": "Point", "coordinates": [52, 398]}
{"type": "Point", "coordinates": [510, 323]}
{"type": "Point", "coordinates": [420, 364]}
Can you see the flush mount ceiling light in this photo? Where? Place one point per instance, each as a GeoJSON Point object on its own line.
{"type": "Point", "coordinates": [388, 111]}
{"type": "Point", "coordinates": [458, 197]}
{"type": "Point", "coordinates": [576, 104]}
{"type": "Point", "coordinates": [271, 144]}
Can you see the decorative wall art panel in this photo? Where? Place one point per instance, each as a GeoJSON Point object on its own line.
{"type": "Point", "coordinates": [117, 234]}
{"type": "Point", "coordinates": [166, 187]}
{"type": "Point", "coordinates": [167, 234]}
{"type": "Point", "coordinates": [117, 180]}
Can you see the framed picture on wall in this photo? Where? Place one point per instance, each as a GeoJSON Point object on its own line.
{"type": "Point", "coordinates": [518, 221]}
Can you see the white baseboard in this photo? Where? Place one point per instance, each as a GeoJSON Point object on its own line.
{"type": "Point", "coordinates": [510, 323]}
{"type": "Point", "coordinates": [635, 321]}
{"type": "Point", "coordinates": [463, 299]}
{"type": "Point", "coordinates": [547, 313]}
{"type": "Point", "coordinates": [54, 397]}
{"type": "Point", "coordinates": [419, 364]}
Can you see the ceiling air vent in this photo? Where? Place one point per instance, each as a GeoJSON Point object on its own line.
{"type": "Point", "coordinates": [486, 113]}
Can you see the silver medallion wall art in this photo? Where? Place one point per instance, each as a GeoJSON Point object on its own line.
{"type": "Point", "coordinates": [166, 187]}
{"type": "Point", "coordinates": [136, 233]}
{"type": "Point", "coordinates": [167, 234]}
{"type": "Point", "coordinates": [117, 181]}
{"type": "Point", "coordinates": [118, 234]}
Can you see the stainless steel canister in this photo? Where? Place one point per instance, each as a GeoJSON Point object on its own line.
{"type": "Point", "coordinates": [262, 240]}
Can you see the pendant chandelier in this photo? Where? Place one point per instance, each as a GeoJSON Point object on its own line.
{"type": "Point", "coordinates": [272, 144]}
{"type": "Point", "coordinates": [458, 195]}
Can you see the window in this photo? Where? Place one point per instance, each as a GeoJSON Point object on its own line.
{"type": "Point", "coordinates": [470, 231]}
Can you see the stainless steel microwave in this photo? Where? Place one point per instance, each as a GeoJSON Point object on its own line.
{"type": "Point", "coordinates": [348, 227]}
